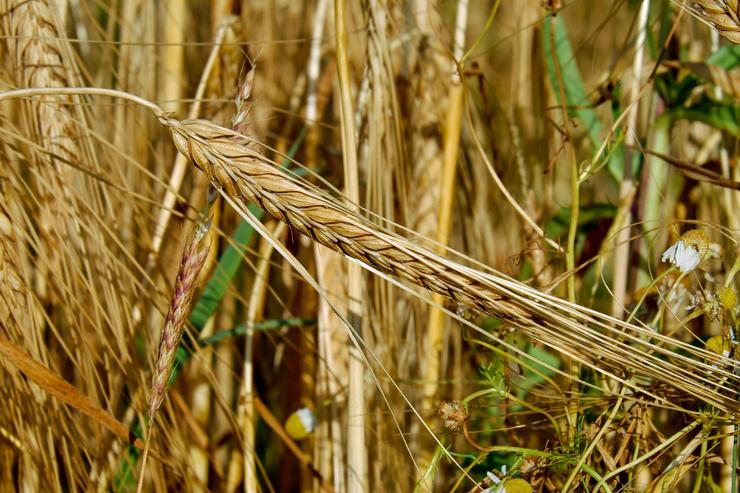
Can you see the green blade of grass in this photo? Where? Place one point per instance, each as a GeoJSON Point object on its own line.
{"type": "Point", "coordinates": [575, 93]}
{"type": "Point", "coordinates": [721, 116]}
{"type": "Point", "coordinates": [184, 352]}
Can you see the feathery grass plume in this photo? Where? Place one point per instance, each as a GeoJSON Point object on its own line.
{"type": "Point", "coordinates": [597, 340]}
{"type": "Point", "coordinates": [723, 15]}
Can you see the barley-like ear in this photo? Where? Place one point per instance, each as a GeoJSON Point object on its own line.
{"type": "Point", "coordinates": [193, 257]}
{"type": "Point", "coordinates": [238, 170]}
{"type": "Point", "coordinates": [723, 15]}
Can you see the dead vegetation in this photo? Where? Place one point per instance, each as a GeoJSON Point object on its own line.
{"type": "Point", "coordinates": [534, 206]}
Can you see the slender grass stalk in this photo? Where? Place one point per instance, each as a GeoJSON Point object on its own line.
{"type": "Point", "coordinates": [356, 449]}
{"type": "Point", "coordinates": [453, 129]}
{"type": "Point", "coordinates": [254, 314]}
{"type": "Point", "coordinates": [626, 187]}
{"type": "Point", "coordinates": [702, 465]}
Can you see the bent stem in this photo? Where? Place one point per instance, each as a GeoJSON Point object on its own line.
{"type": "Point", "coordinates": [84, 91]}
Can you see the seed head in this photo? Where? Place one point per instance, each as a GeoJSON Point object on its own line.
{"type": "Point", "coordinates": [453, 414]}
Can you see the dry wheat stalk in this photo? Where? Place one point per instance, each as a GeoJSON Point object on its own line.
{"type": "Point", "coordinates": [71, 205]}
{"type": "Point", "coordinates": [604, 343]}
{"type": "Point", "coordinates": [12, 285]}
{"type": "Point", "coordinates": [38, 55]}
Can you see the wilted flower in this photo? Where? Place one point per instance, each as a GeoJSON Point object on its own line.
{"type": "Point", "coordinates": [453, 414]}
{"type": "Point", "coordinates": [708, 302]}
{"type": "Point", "coordinates": [689, 251]}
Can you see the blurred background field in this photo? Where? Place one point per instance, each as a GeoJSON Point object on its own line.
{"type": "Point", "coordinates": [562, 144]}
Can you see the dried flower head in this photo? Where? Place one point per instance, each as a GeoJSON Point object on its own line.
{"type": "Point", "coordinates": [453, 414]}
{"type": "Point", "coordinates": [707, 302]}
{"type": "Point", "coordinates": [689, 251]}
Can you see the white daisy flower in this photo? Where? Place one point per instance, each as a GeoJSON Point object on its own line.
{"type": "Point", "coordinates": [688, 252]}
{"type": "Point", "coordinates": [498, 486]}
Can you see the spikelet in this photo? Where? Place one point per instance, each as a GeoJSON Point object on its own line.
{"type": "Point", "coordinates": [723, 15]}
{"type": "Point", "coordinates": [193, 257]}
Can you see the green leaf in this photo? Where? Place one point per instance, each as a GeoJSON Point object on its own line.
{"type": "Point", "coordinates": [722, 116]}
{"type": "Point", "coordinates": [727, 57]}
{"type": "Point", "coordinates": [573, 89]}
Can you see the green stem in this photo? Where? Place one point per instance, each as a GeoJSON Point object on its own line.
{"type": "Point", "coordinates": [647, 290]}
{"type": "Point", "coordinates": [595, 441]}
{"type": "Point", "coordinates": [700, 470]}
{"type": "Point", "coordinates": [734, 458]}
{"type": "Point", "coordinates": [507, 395]}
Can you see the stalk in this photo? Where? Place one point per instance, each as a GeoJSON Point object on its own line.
{"type": "Point", "coordinates": [453, 128]}
{"type": "Point", "coordinates": [626, 187]}
{"type": "Point", "coordinates": [356, 450]}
